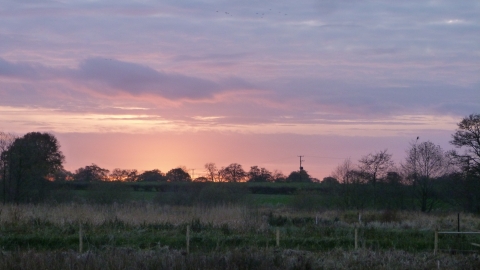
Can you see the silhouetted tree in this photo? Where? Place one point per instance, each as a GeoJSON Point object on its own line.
{"type": "Point", "coordinates": [299, 176]}
{"type": "Point", "coordinates": [178, 175]}
{"type": "Point", "coordinates": [31, 161]}
{"type": "Point", "coordinates": [201, 179]}
{"type": "Point", "coordinates": [124, 175]}
{"type": "Point", "coordinates": [63, 175]}
{"type": "Point", "coordinates": [342, 171]}
{"type": "Point", "coordinates": [152, 176]}
{"type": "Point", "coordinates": [6, 140]}
{"type": "Point", "coordinates": [278, 176]}
{"type": "Point", "coordinates": [330, 181]}
{"type": "Point", "coordinates": [91, 173]}
{"type": "Point", "coordinates": [257, 174]}
{"type": "Point", "coordinates": [353, 185]}
{"type": "Point", "coordinates": [232, 173]}
{"type": "Point", "coordinates": [211, 172]}
{"type": "Point", "coordinates": [425, 162]}
{"type": "Point", "coordinates": [376, 166]}
{"type": "Point", "coordinates": [467, 137]}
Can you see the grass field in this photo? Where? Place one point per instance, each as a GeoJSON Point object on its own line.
{"type": "Point", "coordinates": [146, 225]}
{"type": "Point", "coordinates": [227, 236]}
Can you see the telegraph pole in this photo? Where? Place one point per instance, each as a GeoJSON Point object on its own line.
{"type": "Point", "coordinates": [301, 168]}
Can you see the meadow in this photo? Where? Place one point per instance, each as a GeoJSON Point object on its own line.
{"type": "Point", "coordinates": [148, 235]}
{"type": "Point", "coordinates": [229, 226]}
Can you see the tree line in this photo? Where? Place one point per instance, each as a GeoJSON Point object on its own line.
{"type": "Point", "coordinates": [233, 173]}
{"type": "Point", "coordinates": [428, 175]}
{"type": "Point", "coordinates": [29, 164]}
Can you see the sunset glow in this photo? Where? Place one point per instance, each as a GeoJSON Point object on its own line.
{"type": "Point", "coordinates": [166, 84]}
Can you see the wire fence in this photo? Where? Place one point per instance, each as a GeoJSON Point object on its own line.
{"type": "Point", "coordinates": [457, 242]}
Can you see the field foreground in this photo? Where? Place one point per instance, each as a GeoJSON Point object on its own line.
{"type": "Point", "coordinates": [240, 258]}
{"type": "Point", "coordinates": [150, 236]}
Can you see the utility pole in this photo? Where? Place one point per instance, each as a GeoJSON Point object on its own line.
{"type": "Point", "coordinates": [301, 168]}
{"type": "Point", "coordinates": [193, 173]}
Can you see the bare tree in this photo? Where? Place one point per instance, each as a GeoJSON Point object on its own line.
{"type": "Point", "coordinates": [341, 173]}
{"type": "Point", "coordinates": [353, 186]}
{"type": "Point", "coordinates": [423, 163]}
{"type": "Point", "coordinates": [211, 171]}
{"type": "Point", "coordinates": [376, 167]}
{"type": "Point", "coordinates": [467, 136]}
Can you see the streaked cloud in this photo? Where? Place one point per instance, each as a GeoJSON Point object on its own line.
{"type": "Point", "coordinates": [309, 67]}
{"type": "Point", "coordinates": [46, 119]}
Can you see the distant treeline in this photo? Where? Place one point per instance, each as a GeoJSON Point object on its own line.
{"type": "Point", "coordinates": [450, 192]}
{"type": "Point", "coordinates": [31, 168]}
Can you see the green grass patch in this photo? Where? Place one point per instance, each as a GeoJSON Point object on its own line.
{"type": "Point", "coordinates": [207, 237]}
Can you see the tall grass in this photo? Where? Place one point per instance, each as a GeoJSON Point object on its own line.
{"type": "Point", "coordinates": [147, 226]}
{"type": "Point", "coordinates": [132, 214]}
{"type": "Point", "coordinates": [235, 216]}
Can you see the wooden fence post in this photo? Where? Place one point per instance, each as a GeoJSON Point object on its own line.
{"type": "Point", "coordinates": [356, 238]}
{"type": "Point", "coordinates": [80, 238]}
{"type": "Point", "coordinates": [458, 222]}
{"type": "Point", "coordinates": [435, 244]}
{"type": "Point", "coordinates": [278, 237]}
{"type": "Point", "coordinates": [188, 239]}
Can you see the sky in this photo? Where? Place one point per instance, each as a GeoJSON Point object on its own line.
{"type": "Point", "coordinates": [160, 84]}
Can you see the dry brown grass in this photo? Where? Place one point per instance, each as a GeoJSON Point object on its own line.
{"type": "Point", "coordinates": [132, 214]}
{"type": "Point", "coordinates": [236, 216]}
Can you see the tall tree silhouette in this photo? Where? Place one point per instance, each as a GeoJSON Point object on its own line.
{"type": "Point", "coordinates": [32, 161]}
